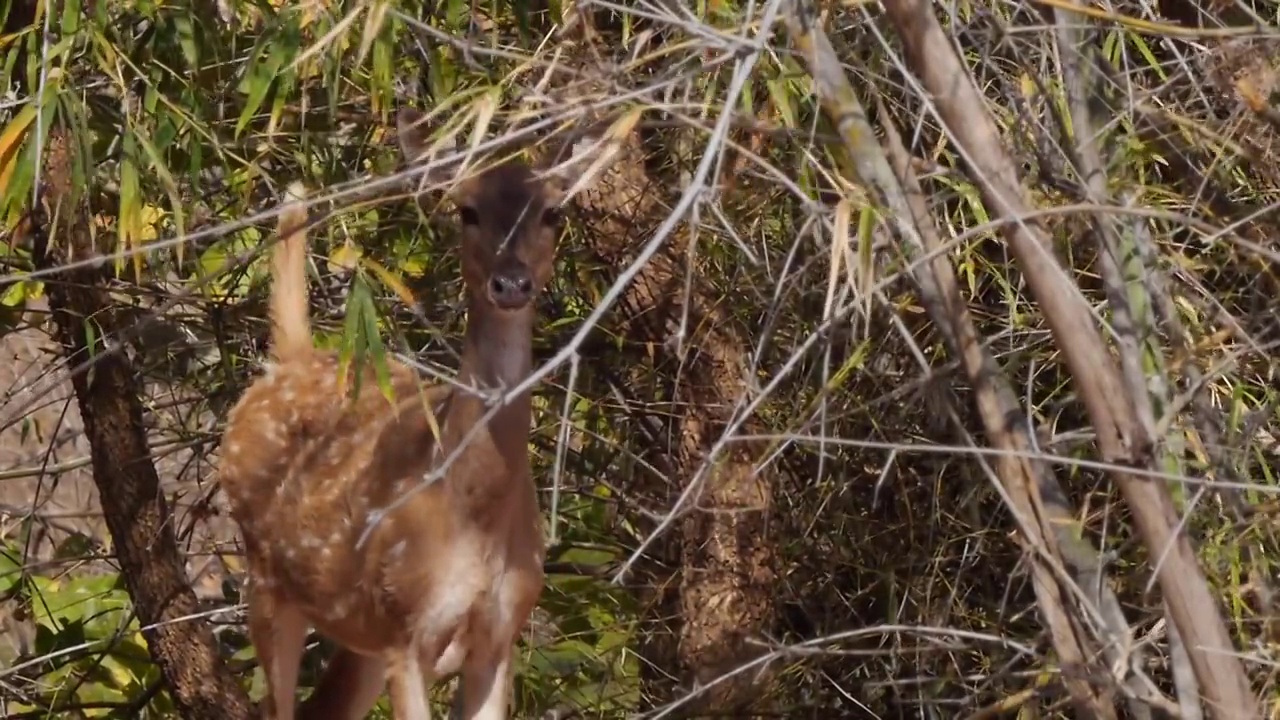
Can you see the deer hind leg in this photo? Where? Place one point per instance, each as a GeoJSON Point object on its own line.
{"type": "Point", "coordinates": [485, 686]}
{"type": "Point", "coordinates": [278, 632]}
{"type": "Point", "coordinates": [408, 686]}
{"type": "Point", "coordinates": [348, 689]}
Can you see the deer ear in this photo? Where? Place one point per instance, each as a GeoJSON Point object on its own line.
{"type": "Point", "coordinates": [565, 169]}
{"type": "Point", "coordinates": [416, 145]}
{"type": "Point", "coordinates": [577, 165]}
{"type": "Point", "coordinates": [412, 134]}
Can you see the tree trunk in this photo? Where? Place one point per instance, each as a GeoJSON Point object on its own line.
{"type": "Point", "coordinates": [725, 589]}
{"type": "Point", "coordinates": [136, 514]}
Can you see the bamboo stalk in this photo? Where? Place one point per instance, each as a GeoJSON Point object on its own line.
{"type": "Point", "coordinates": [1065, 563]}
{"type": "Point", "coordinates": [1121, 439]}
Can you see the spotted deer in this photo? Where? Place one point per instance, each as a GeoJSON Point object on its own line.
{"type": "Point", "coordinates": [444, 581]}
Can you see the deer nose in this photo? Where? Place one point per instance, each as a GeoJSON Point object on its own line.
{"type": "Point", "coordinates": [511, 289]}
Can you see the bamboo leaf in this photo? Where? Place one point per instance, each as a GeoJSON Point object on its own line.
{"type": "Point", "coordinates": [17, 293]}
{"type": "Point", "coordinates": [186, 32]}
{"type": "Point", "coordinates": [839, 238]}
{"type": "Point", "coordinates": [10, 141]}
{"type": "Point", "coordinates": [456, 14]}
{"type": "Point", "coordinates": [390, 279]}
{"type": "Point", "coordinates": [170, 187]}
{"type": "Point", "coordinates": [262, 78]}
{"type": "Point", "coordinates": [865, 266]}
{"type": "Point", "coordinates": [344, 257]}
{"type": "Point", "coordinates": [484, 108]}
{"type": "Point", "coordinates": [17, 193]}
{"type": "Point", "coordinates": [327, 39]}
{"type": "Point", "coordinates": [72, 14]}
{"type": "Point", "coordinates": [377, 16]}
{"type": "Point", "coordinates": [382, 75]}
{"type": "Point", "coordinates": [382, 374]}
{"type": "Point", "coordinates": [129, 217]}
{"type": "Point", "coordinates": [613, 138]}
{"type": "Point", "coordinates": [353, 346]}
{"type": "Point", "coordinates": [285, 85]}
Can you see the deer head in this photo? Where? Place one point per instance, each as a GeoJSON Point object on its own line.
{"type": "Point", "coordinates": [509, 216]}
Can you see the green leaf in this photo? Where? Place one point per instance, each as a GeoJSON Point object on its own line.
{"type": "Point", "coordinates": [17, 293]}
{"type": "Point", "coordinates": [442, 72]}
{"type": "Point", "coordinates": [165, 132]}
{"type": "Point", "coordinates": [456, 15]}
{"type": "Point", "coordinates": [563, 657]}
{"type": "Point", "coordinates": [17, 194]}
{"type": "Point", "coordinates": [11, 139]}
{"type": "Point", "coordinates": [10, 568]}
{"type": "Point", "coordinates": [352, 347]}
{"type": "Point", "coordinates": [129, 216]}
{"type": "Point", "coordinates": [74, 547]}
{"type": "Point", "coordinates": [780, 93]}
{"type": "Point", "coordinates": [98, 605]}
{"type": "Point", "coordinates": [369, 316]}
{"type": "Point", "coordinates": [219, 257]}
{"type": "Point", "coordinates": [170, 187]}
{"type": "Point", "coordinates": [372, 28]}
{"type": "Point", "coordinates": [382, 73]}
{"type": "Point", "coordinates": [587, 556]}
{"type": "Point", "coordinates": [195, 158]}
{"type": "Point", "coordinates": [263, 75]}
{"type": "Point", "coordinates": [182, 24]}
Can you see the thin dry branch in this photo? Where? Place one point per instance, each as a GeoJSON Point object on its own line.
{"type": "Point", "coordinates": [1121, 438]}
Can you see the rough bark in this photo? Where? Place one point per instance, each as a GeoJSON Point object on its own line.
{"type": "Point", "coordinates": [135, 509]}
{"type": "Point", "coordinates": [724, 594]}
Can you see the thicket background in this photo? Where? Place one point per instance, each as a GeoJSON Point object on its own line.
{"type": "Point", "coordinates": [923, 355]}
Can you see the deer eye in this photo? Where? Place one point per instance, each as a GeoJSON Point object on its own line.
{"type": "Point", "coordinates": [550, 216]}
{"type": "Point", "coordinates": [468, 215]}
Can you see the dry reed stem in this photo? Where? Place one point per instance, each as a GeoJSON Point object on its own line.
{"type": "Point", "coordinates": [1120, 437]}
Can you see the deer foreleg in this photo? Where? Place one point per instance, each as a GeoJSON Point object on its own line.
{"type": "Point", "coordinates": [408, 687]}
{"type": "Point", "coordinates": [485, 686]}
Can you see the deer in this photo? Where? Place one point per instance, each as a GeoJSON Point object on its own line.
{"type": "Point", "coordinates": [444, 581]}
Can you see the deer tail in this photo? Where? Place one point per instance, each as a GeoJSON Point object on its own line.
{"type": "Point", "coordinates": [290, 317]}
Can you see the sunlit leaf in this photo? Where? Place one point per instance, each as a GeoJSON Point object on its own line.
{"type": "Point", "coordinates": [171, 188]}
{"type": "Point", "coordinates": [344, 257]}
{"type": "Point", "coordinates": [10, 140]}
{"type": "Point", "coordinates": [10, 568]}
{"type": "Point", "coordinates": [373, 26]}
{"type": "Point", "coordinates": [19, 292]}
{"type": "Point", "coordinates": [129, 217]}
{"type": "Point", "coordinates": [388, 278]}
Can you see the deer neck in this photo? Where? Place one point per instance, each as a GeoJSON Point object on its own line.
{"type": "Point", "coordinates": [497, 355]}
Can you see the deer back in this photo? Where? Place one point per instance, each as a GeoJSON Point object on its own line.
{"type": "Point", "coordinates": [307, 470]}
